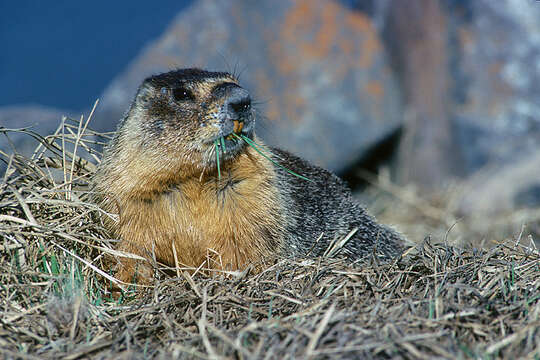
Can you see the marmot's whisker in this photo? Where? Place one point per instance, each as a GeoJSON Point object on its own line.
{"type": "Point", "coordinates": [217, 159]}
{"type": "Point", "coordinates": [252, 144]}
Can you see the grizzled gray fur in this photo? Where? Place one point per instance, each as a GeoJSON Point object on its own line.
{"type": "Point", "coordinates": [325, 206]}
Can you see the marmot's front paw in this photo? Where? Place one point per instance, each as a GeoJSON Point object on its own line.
{"type": "Point", "coordinates": [129, 273]}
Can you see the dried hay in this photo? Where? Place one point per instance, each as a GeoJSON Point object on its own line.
{"type": "Point", "coordinates": [436, 301]}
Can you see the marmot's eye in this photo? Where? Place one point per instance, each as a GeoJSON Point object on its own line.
{"type": "Point", "coordinates": [182, 93]}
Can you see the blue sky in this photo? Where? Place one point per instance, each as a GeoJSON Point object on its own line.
{"type": "Point", "coordinates": [64, 53]}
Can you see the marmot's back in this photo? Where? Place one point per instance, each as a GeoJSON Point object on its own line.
{"type": "Point", "coordinates": [193, 185]}
{"type": "Point", "coordinates": [325, 207]}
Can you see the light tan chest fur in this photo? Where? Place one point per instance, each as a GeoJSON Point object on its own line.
{"type": "Point", "coordinates": [208, 222]}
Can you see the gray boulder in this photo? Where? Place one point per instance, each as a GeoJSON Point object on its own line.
{"type": "Point", "coordinates": [498, 80]}
{"type": "Point", "coordinates": [496, 189]}
{"type": "Point", "coordinates": [317, 68]}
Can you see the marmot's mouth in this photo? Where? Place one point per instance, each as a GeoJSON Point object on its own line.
{"type": "Point", "coordinates": [227, 143]}
{"type": "Point", "coordinates": [234, 135]}
{"type": "Point", "coordinates": [238, 126]}
{"type": "Point", "coordinates": [232, 142]}
{"type": "Point", "coordinates": [237, 129]}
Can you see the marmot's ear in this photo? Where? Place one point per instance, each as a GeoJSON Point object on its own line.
{"type": "Point", "coordinates": [145, 93]}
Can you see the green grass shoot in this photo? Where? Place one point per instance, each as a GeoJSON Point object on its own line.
{"type": "Point", "coordinates": [217, 159]}
{"type": "Point", "coordinates": [260, 151]}
{"type": "Point", "coordinates": [222, 140]}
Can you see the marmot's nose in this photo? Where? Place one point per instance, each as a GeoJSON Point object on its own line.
{"type": "Point", "coordinates": [238, 101]}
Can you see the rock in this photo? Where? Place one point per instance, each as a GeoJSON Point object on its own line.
{"type": "Point", "coordinates": [416, 34]}
{"type": "Point", "coordinates": [528, 197]}
{"type": "Point", "coordinates": [496, 189]}
{"type": "Point", "coordinates": [498, 80]}
{"type": "Point", "coordinates": [318, 69]}
{"type": "Point", "coordinates": [471, 83]}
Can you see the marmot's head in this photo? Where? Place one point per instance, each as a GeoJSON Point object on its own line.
{"type": "Point", "coordinates": [183, 115]}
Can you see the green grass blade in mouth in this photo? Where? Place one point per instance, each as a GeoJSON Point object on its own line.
{"type": "Point", "coordinates": [254, 144]}
{"type": "Point", "coordinates": [216, 145]}
{"type": "Point", "coordinates": [223, 148]}
{"type": "Point", "coordinates": [255, 147]}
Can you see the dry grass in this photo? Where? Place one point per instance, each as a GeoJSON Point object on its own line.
{"type": "Point", "coordinates": [436, 301]}
{"type": "Point", "coordinates": [440, 215]}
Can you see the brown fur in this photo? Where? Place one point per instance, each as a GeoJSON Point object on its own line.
{"type": "Point", "coordinates": [205, 219]}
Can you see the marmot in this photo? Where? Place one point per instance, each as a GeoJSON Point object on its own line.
{"type": "Point", "coordinates": [186, 171]}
